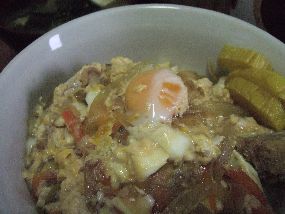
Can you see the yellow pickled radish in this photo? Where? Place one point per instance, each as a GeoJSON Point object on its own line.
{"type": "Point", "coordinates": [231, 58]}
{"type": "Point", "coordinates": [269, 80]}
{"type": "Point", "coordinates": [266, 108]}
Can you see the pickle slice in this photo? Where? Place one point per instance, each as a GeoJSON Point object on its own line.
{"type": "Point", "coordinates": [231, 58]}
{"type": "Point", "coordinates": [266, 108]}
{"type": "Point", "coordinates": [269, 80]}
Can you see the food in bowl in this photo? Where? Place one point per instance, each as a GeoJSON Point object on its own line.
{"type": "Point", "coordinates": [135, 137]}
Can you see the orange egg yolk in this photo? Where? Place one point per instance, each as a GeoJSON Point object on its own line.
{"type": "Point", "coordinates": [157, 95]}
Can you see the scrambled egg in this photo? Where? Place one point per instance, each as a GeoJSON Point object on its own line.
{"type": "Point", "coordinates": [128, 116]}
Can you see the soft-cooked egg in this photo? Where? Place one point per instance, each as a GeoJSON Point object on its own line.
{"type": "Point", "coordinates": [177, 144]}
{"type": "Point", "coordinates": [147, 157]}
{"type": "Point", "coordinates": [157, 95]}
{"type": "Point", "coordinates": [172, 141]}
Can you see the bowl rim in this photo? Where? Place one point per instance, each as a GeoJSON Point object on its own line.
{"type": "Point", "coordinates": [120, 9]}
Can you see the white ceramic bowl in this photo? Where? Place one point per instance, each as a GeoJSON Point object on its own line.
{"type": "Point", "coordinates": [186, 36]}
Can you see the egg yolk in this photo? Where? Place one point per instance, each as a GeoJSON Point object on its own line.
{"type": "Point", "coordinates": [158, 95]}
